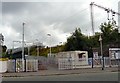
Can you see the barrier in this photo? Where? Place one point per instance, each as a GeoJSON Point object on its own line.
{"type": "Point", "coordinates": [98, 62]}
{"type": "Point", "coordinates": [31, 65]}
{"type": "Point", "coordinates": [3, 66]}
{"type": "Point", "coordinates": [17, 65]}
{"type": "Point", "coordinates": [11, 66]}
{"type": "Point", "coordinates": [64, 63]}
{"type": "Point", "coordinates": [72, 63]}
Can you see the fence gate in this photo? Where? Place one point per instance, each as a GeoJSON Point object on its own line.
{"type": "Point", "coordinates": [19, 65]}
{"type": "Point", "coordinates": [11, 66]}
{"type": "Point", "coordinates": [31, 65]}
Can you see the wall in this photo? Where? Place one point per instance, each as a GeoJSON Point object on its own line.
{"type": "Point", "coordinates": [3, 66]}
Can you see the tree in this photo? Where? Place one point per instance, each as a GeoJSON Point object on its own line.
{"type": "Point", "coordinates": [4, 48]}
{"type": "Point", "coordinates": [76, 42]}
{"type": "Point", "coordinates": [110, 33]}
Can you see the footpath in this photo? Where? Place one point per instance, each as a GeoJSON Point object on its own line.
{"type": "Point", "coordinates": [60, 72]}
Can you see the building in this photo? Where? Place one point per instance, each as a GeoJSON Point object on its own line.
{"type": "Point", "coordinates": [119, 16]}
{"type": "Point", "coordinates": [114, 54]}
{"type": "Point", "coordinates": [72, 59]}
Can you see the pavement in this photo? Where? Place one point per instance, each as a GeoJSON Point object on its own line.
{"type": "Point", "coordinates": [60, 72]}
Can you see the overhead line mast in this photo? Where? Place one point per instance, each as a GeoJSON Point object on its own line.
{"type": "Point", "coordinates": [108, 10]}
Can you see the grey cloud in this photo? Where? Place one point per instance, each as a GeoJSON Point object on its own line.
{"type": "Point", "coordinates": [13, 7]}
{"type": "Point", "coordinates": [40, 16]}
{"type": "Point", "coordinates": [46, 17]}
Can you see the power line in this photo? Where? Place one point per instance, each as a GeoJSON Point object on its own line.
{"type": "Point", "coordinates": [79, 12]}
{"type": "Point", "coordinates": [74, 15]}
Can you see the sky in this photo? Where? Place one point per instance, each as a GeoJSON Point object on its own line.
{"type": "Point", "coordinates": [56, 17]}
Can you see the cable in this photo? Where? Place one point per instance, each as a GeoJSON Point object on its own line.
{"type": "Point", "coordinates": [74, 15]}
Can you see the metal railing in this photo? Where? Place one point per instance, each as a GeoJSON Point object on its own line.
{"type": "Point", "coordinates": [16, 65]}
{"type": "Point", "coordinates": [108, 62]}
{"type": "Point", "coordinates": [65, 63]}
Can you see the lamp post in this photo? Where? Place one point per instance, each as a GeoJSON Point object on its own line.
{"type": "Point", "coordinates": [23, 56]}
{"type": "Point", "coordinates": [50, 44]}
{"type": "Point", "coordinates": [100, 39]}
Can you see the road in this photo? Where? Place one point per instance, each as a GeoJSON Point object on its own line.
{"type": "Point", "coordinates": [106, 76]}
{"type": "Point", "coordinates": [0, 78]}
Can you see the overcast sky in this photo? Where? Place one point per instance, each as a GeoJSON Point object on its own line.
{"type": "Point", "coordinates": [58, 18]}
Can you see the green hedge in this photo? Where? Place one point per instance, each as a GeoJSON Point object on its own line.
{"type": "Point", "coordinates": [3, 59]}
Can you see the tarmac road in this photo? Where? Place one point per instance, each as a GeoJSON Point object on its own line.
{"type": "Point", "coordinates": [106, 76]}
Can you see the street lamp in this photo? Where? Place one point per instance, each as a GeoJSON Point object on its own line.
{"type": "Point", "coordinates": [100, 39]}
{"type": "Point", "coordinates": [23, 57]}
{"type": "Point", "coordinates": [50, 44]}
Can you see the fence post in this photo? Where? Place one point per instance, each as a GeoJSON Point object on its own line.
{"type": "Point", "coordinates": [92, 62]}
{"type": "Point", "coordinates": [15, 65]}
{"type": "Point", "coordinates": [25, 64]}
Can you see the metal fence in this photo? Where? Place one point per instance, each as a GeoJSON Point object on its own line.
{"type": "Point", "coordinates": [65, 63]}
{"type": "Point", "coordinates": [31, 65]}
{"type": "Point", "coordinates": [17, 65]}
{"type": "Point", "coordinates": [11, 66]}
{"type": "Point", "coordinates": [42, 60]}
{"type": "Point", "coordinates": [108, 62]}
{"type": "Point", "coordinates": [78, 63]}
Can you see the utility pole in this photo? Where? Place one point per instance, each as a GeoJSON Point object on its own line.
{"type": "Point", "coordinates": [23, 56]}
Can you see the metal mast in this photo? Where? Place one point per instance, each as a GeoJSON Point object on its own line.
{"type": "Point", "coordinates": [108, 10]}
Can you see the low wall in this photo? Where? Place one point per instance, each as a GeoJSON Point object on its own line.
{"type": "Point", "coordinates": [3, 66]}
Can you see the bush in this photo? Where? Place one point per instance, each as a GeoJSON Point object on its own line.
{"type": "Point", "coordinates": [3, 59]}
